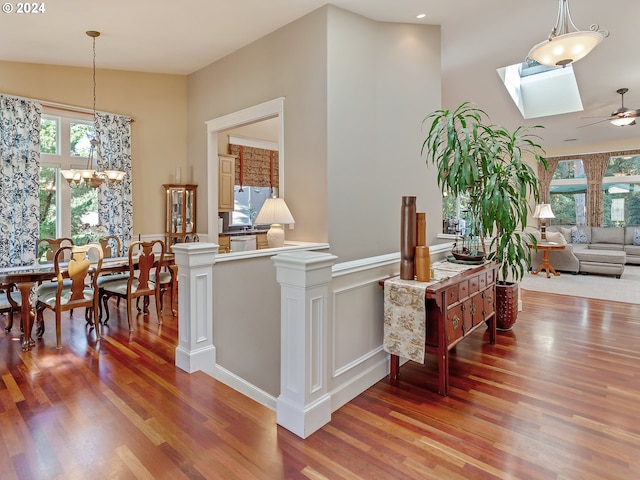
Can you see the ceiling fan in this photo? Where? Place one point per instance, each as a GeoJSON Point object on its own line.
{"type": "Point", "coordinates": [620, 117]}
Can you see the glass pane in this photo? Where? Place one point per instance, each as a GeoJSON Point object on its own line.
{"type": "Point", "coordinates": [247, 204]}
{"type": "Point", "coordinates": [621, 204]}
{"type": "Point", "coordinates": [240, 214]}
{"type": "Point", "coordinates": [80, 135]}
{"type": "Point", "coordinates": [84, 214]}
{"type": "Point", "coordinates": [623, 166]}
{"type": "Point", "coordinates": [569, 208]}
{"type": "Point", "coordinates": [454, 211]}
{"type": "Point", "coordinates": [569, 169]}
{"type": "Point", "coordinates": [259, 195]}
{"type": "Point", "coordinates": [49, 135]}
{"type": "Point", "coordinates": [48, 211]}
{"type": "Point", "coordinates": [176, 207]}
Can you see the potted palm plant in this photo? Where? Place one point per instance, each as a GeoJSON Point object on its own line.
{"type": "Point", "coordinates": [487, 162]}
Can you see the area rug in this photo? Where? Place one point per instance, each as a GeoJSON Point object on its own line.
{"type": "Point", "coordinates": [623, 289]}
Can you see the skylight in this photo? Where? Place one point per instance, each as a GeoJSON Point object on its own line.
{"type": "Point", "coordinates": [541, 91]}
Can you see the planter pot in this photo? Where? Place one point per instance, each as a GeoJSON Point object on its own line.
{"type": "Point", "coordinates": [506, 305]}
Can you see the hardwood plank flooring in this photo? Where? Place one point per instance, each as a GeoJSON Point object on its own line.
{"type": "Point", "coordinates": [558, 397]}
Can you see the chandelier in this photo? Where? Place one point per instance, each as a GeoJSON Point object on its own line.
{"type": "Point", "coordinates": [90, 177]}
{"type": "Point", "coordinates": [565, 46]}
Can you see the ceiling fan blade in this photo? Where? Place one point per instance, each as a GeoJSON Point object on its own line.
{"type": "Point", "coordinates": [595, 123]}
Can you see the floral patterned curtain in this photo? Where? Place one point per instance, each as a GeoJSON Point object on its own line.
{"type": "Point", "coordinates": [115, 202]}
{"type": "Point", "coordinates": [19, 180]}
{"type": "Point", "coordinates": [595, 169]}
{"type": "Point", "coordinates": [545, 175]}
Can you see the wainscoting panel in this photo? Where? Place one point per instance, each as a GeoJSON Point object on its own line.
{"type": "Point", "coordinates": [356, 358]}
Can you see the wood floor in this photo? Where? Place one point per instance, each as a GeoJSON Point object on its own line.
{"type": "Point", "coordinates": [556, 398]}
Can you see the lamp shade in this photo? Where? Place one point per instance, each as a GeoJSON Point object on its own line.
{"type": "Point", "coordinates": [543, 210]}
{"type": "Point", "coordinates": [565, 49]}
{"type": "Point", "coordinates": [623, 121]}
{"type": "Point", "coordinates": [274, 210]}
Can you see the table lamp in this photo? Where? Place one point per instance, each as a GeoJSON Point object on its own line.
{"type": "Point", "coordinates": [275, 212]}
{"type": "Point", "coordinates": [542, 212]}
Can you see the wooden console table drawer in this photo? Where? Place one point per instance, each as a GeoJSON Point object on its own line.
{"type": "Point", "coordinates": [454, 325]}
{"type": "Point", "coordinates": [474, 283]}
{"type": "Point", "coordinates": [463, 289]}
{"type": "Point", "coordinates": [452, 295]}
{"type": "Point", "coordinates": [482, 282]}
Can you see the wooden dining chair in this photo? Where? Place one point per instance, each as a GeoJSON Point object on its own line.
{"type": "Point", "coordinates": [166, 284]}
{"type": "Point", "coordinates": [75, 285]}
{"type": "Point", "coordinates": [145, 260]}
{"type": "Point", "coordinates": [47, 247]}
{"type": "Point", "coordinates": [111, 246]}
{"type": "Point", "coordinates": [10, 303]}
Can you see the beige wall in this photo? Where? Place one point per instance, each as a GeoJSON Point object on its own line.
{"type": "Point", "coordinates": [291, 63]}
{"type": "Point", "coordinates": [384, 78]}
{"type": "Point", "coordinates": [355, 92]}
{"type": "Point", "coordinates": [156, 102]}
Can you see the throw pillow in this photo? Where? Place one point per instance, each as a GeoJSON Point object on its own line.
{"type": "Point", "coordinates": [566, 233]}
{"type": "Point", "coordinates": [556, 237]}
{"type": "Point", "coordinates": [636, 237]}
{"type": "Point", "coordinates": [578, 236]}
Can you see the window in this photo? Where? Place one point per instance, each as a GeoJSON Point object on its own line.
{"type": "Point", "coordinates": [64, 144]}
{"type": "Point", "coordinates": [621, 192]}
{"type": "Point", "coordinates": [454, 213]}
{"type": "Point", "coordinates": [247, 204]}
{"type": "Point", "coordinates": [568, 193]}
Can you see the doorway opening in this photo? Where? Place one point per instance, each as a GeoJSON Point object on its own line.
{"type": "Point", "coordinates": [272, 109]}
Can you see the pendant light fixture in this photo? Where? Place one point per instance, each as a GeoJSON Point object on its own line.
{"type": "Point", "coordinates": [90, 177]}
{"type": "Point", "coordinates": [566, 44]}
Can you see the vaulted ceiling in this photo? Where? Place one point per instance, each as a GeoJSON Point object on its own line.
{"type": "Point", "coordinates": [478, 38]}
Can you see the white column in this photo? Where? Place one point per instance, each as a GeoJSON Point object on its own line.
{"type": "Point", "coordinates": [304, 404]}
{"type": "Point", "coordinates": [195, 349]}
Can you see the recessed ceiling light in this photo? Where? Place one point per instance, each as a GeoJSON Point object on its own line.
{"type": "Point", "coordinates": [422, 15]}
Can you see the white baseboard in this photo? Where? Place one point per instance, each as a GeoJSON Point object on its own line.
{"type": "Point", "coordinates": [232, 380]}
{"type": "Point", "coordinates": [347, 391]}
{"type": "Point", "coordinates": [340, 396]}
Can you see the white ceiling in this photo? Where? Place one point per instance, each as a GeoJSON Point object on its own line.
{"type": "Point", "coordinates": [478, 38]}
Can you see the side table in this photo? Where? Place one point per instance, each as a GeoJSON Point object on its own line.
{"type": "Point", "coordinates": [546, 247]}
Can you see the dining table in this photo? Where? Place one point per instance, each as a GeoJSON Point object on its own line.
{"type": "Point", "coordinates": [27, 277]}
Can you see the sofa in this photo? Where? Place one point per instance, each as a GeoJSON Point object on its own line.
{"type": "Point", "coordinates": [601, 250]}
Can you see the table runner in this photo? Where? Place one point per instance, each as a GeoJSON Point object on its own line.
{"type": "Point", "coordinates": [405, 322]}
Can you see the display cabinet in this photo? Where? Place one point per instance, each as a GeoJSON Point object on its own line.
{"type": "Point", "coordinates": [180, 224]}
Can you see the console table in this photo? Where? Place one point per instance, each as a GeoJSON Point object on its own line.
{"type": "Point", "coordinates": [455, 306]}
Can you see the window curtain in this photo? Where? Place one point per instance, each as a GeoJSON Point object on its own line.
{"type": "Point", "coordinates": [19, 180]}
{"type": "Point", "coordinates": [115, 202]}
{"type": "Point", "coordinates": [594, 170]}
{"type": "Point", "coordinates": [545, 176]}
